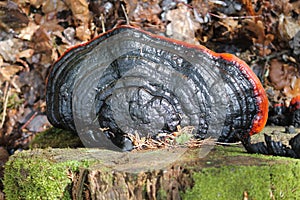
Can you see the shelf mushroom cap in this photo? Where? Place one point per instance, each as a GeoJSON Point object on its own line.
{"type": "Point", "coordinates": [128, 80]}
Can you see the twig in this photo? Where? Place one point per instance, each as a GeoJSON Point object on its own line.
{"type": "Point", "coordinates": [126, 16]}
{"type": "Point", "coordinates": [29, 120]}
{"type": "Point", "coordinates": [6, 95]}
{"type": "Point", "coordinates": [273, 55]}
{"type": "Point", "coordinates": [234, 17]}
{"type": "Point", "coordinates": [25, 64]}
{"type": "Point", "coordinates": [228, 144]}
{"type": "Point", "coordinates": [102, 23]}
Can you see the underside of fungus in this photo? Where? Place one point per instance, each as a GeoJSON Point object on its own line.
{"type": "Point", "coordinates": [129, 81]}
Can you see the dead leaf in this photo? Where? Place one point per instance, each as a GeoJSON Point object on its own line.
{"type": "Point", "coordinates": [281, 74]}
{"type": "Point", "coordinates": [261, 40]}
{"type": "Point", "coordinates": [286, 78]}
{"type": "Point", "coordinates": [68, 40]}
{"type": "Point", "coordinates": [257, 28]}
{"type": "Point", "coordinates": [231, 25]}
{"type": "Point", "coordinates": [11, 16]}
{"type": "Point", "coordinates": [38, 124]}
{"type": "Point", "coordinates": [50, 22]}
{"type": "Point", "coordinates": [182, 25]}
{"type": "Point", "coordinates": [82, 17]}
{"type": "Point", "coordinates": [7, 72]}
{"type": "Point", "coordinates": [201, 9]}
{"type": "Point", "coordinates": [80, 9]}
{"type": "Point", "coordinates": [296, 7]}
{"type": "Point", "coordinates": [283, 6]}
{"type": "Point", "coordinates": [295, 44]}
{"type": "Point", "coordinates": [144, 11]}
{"type": "Point", "coordinates": [288, 27]}
{"type": "Point", "coordinates": [53, 6]}
{"type": "Point", "coordinates": [83, 32]}
{"type": "Point", "coordinates": [26, 53]}
{"type": "Point", "coordinates": [42, 41]}
{"type": "Point", "coordinates": [292, 90]}
{"type": "Point", "coordinates": [27, 32]}
{"type": "Point", "coordinates": [9, 49]}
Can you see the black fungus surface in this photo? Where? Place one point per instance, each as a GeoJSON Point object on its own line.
{"type": "Point", "coordinates": [128, 81]}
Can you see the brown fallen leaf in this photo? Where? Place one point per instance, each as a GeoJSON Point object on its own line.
{"type": "Point", "coordinates": [38, 124]}
{"type": "Point", "coordinates": [281, 74]}
{"type": "Point", "coordinates": [7, 72]}
{"type": "Point", "coordinates": [26, 53]}
{"type": "Point", "coordinates": [82, 18]}
{"type": "Point", "coordinates": [27, 32]}
{"type": "Point", "coordinates": [292, 90]}
{"type": "Point", "coordinates": [11, 16]}
{"type": "Point", "coordinates": [144, 11]}
{"type": "Point", "coordinates": [10, 48]}
{"type": "Point", "coordinates": [49, 6]}
{"type": "Point", "coordinates": [286, 79]}
{"type": "Point", "coordinates": [83, 32]}
{"type": "Point", "coordinates": [231, 25]}
{"type": "Point", "coordinates": [288, 27]}
{"type": "Point", "coordinates": [182, 25]}
{"type": "Point", "coordinates": [261, 40]}
{"type": "Point", "coordinates": [283, 6]}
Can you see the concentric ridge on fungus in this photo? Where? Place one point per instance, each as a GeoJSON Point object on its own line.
{"type": "Point", "coordinates": [134, 81]}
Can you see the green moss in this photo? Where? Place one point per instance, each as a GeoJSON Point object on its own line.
{"type": "Point", "coordinates": [183, 138]}
{"type": "Point", "coordinates": [38, 176]}
{"type": "Point", "coordinates": [239, 150]}
{"type": "Point", "coordinates": [56, 138]}
{"type": "Point", "coordinates": [285, 182]}
{"type": "Point", "coordinates": [259, 182]}
{"type": "Point", "coordinates": [162, 194]}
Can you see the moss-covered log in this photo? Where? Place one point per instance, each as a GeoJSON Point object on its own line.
{"type": "Point", "coordinates": [224, 173]}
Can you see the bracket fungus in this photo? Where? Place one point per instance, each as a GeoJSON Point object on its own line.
{"type": "Point", "coordinates": [130, 81]}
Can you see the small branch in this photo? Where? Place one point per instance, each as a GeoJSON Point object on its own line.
{"type": "Point", "coordinates": [102, 23]}
{"type": "Point", "coordinates": [126, 16]}
{"type": "Point", "coordinates": [6, 95]}
{"type": "Point", "coordinates": [29, 120]}
{"type": "Point", "coordinates": [228, 144]}
{"type": "Point", "coordinates": [273, 55]}
{"type": "Point", "coordinates": [234, 17]}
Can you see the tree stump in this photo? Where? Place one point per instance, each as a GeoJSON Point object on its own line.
{"type": "Point", "coordinates": [209, 172]}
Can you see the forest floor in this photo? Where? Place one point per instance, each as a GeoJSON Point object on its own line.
{"type": "Point", "coordinates": [35, 33]}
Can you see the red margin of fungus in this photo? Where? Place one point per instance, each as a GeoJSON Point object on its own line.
{"type": "Point", "coordinates": [260, 120]}
{"type": "Point", "coordinates": [295, 103]}
{"type": "Point", "coordinates": [261, 99]}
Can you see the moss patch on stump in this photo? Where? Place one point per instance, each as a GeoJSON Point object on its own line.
{"type": "Point", "coordinates": [36, 175]}
{"type": "Point", "coordinates": [225, 173]}
{"type": "Point", "coordinates": [276, 181]}
{"type": "Point", "coordinates": [56, 138]}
